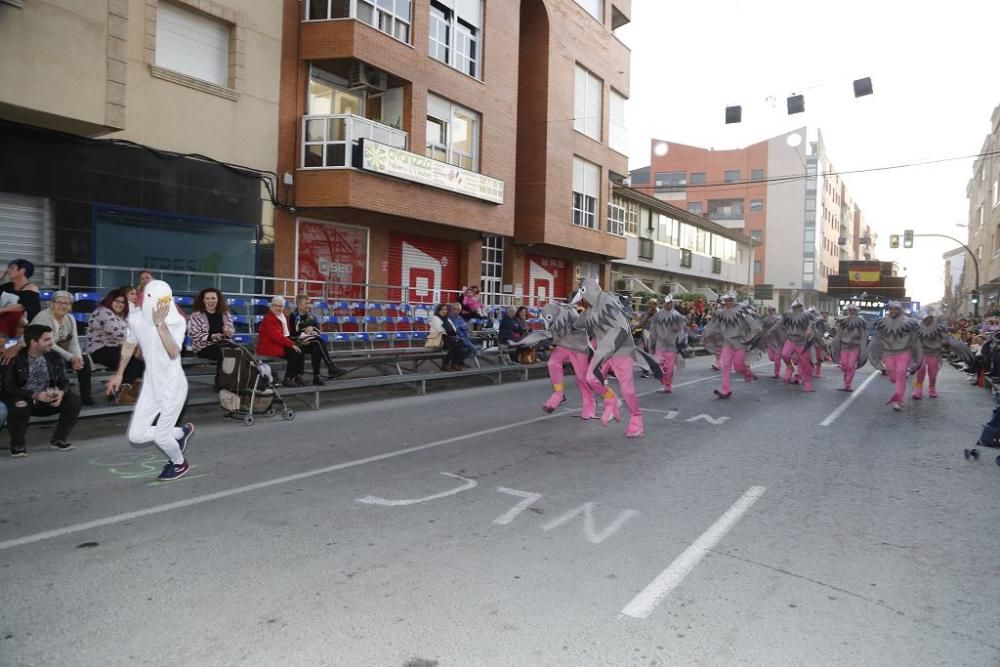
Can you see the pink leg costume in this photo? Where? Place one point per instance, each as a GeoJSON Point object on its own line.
{"type": "Point", "coordinates": [667, 361]}
{"type": "Point", "coordinates": [849, 363]}
{"type": "Point", "coordinates": [896, 366]}
{"type": "Point", "coordinates": [578, 360]}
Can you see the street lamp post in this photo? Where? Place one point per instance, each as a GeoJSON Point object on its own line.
{"type": "Point", "coordinates": [975, 263]}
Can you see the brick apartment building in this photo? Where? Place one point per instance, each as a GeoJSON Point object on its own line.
{"type": "Point", "coordinates": [406, 128]}
{"type": "Point", "coordinates": [983, 192]}
{"type": "Point", "coordinates": [782, 192]}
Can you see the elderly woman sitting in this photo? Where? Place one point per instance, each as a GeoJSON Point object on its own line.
{"type": "Point", "coordinates": [67, 343]}
{"type": "Point", "coordinates": [274, 340]}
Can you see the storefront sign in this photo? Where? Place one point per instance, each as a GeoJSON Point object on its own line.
{"type": "Point", "coordinates": [408, 166]}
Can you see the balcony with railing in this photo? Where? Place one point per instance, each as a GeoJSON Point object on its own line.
{"type": "Point", "coordinates": [328, 141]}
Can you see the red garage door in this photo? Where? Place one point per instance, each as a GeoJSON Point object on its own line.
{"type": "Point", "coordinates": [427, 267]}
{"type": "Point", "coordinates": [544, 279]}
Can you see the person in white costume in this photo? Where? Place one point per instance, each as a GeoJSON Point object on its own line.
{"type": "Point", "coordinates": [158, 329]}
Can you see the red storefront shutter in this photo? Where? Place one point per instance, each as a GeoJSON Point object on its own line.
{"type": "Point", "coordinates": [544, 279]}
{"type": "Point", "coordinates": [426, 267]}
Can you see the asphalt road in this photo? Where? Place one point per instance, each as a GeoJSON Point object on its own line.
{"type": "Point", "coordinates": [468, 528]}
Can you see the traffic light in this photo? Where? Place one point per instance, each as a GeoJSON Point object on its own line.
{"type": "Point", "coordinates": [975, 296]}
{"type": "Point", "coordinates": [908, 238]}
{"type": "Point", "coordinates": [894, 240]}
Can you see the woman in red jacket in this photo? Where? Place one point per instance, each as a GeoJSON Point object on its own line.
{"type": "Point", "coordinates": [273, 341]}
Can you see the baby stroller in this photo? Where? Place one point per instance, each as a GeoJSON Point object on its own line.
{"type": "Point", "coordinates": [246, 388]}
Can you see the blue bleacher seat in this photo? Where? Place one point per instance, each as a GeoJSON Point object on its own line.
{"type": "Point", "coordinates": [87, 296]}
{"type": "Point", "coordinates": [45, 295]}
{"type": "Point", "coordinates": [341, 305]}
{"type": "Point", "coordinates": [341, 337]}
{"type": "Point", "coordinates": [419, 335]}
{"type": "Point", "coordinates": [371, 319]}
{"type": "Point", "coordinates": [240, 319]}
{"type": "Point", "coordinates": [236, 302]}
{"type": "Point", "coordinates": [242, 339]}
{"type": "Point", "coordinates": [330, 319]}
{"type": "Point", "coordinates": [381, 336]}
{"type": "Point", "coordinates": [81, 317]}
{"type": "Point", "coordinates": [322, 305]}
{"type": "Point", "coordinates": [359, 337]}
{"type": "Point", "coordinates": [348, 319]}
{"type": "Point", "coordinates": [402, 335]}
{"type": "Point", "coordinates": [183, 300]}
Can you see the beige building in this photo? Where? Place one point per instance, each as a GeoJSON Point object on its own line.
{"type": "Point", "coordinates": [983, 192]}
{"type": "Point", "coordinates": [145, 108]}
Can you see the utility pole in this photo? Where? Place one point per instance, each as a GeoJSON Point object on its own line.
{"type": "Point", "coordinates": [975, 263]}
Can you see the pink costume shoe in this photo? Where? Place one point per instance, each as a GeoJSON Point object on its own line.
{"type": "Point", "coordinates": [932, 393]}
{"type": "Point", "coordinates": [634, 427]}
{"type": "Point", "coordinates": [589, 411]}
{"type": "Point", "coordinates": [918, 391]}
{"type": "Point", "coordinates": [612, 410]}
{"type": "Point", "coordinates": [555, 400]}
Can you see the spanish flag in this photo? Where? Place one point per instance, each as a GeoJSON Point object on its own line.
{"type": "Point", "coordinates": [864, 278]}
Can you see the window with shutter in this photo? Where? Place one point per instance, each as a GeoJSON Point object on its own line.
{"type": "Point", "coordinates": [191, 43]}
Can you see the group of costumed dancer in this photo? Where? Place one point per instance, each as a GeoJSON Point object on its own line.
{"type": "Point", "coordinates": [593, 333]}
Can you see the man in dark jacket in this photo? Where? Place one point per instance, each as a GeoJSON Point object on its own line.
{"type": "Point", "coordinates": [35, 383]}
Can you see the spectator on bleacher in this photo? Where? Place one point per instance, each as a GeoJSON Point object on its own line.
{"type": "Point", "coordinates": [57, 317]}
{"type": "Point", "coordinates": [471, 306]}
{"type": "Point", "coordinates": [305, 330]}
{"type": "Point", "coordinates": [444, 334]}
{"type": "Point", "coordinates": [210, 325]}
{"type": "Point", "coordinates": [106, 334]}
{"type": "Point", "coordinates": [274, 340]}
{"type": "Point", "coordinates": [14, 315]}
{"type": "Point", "coordinates": [35, 384]}
{"type": "Point", "coordinates": [511, 329]}
{"type": "Point", "coordinates": [131, 294]}
{"type": "Point", "coordinates": [455, 315]}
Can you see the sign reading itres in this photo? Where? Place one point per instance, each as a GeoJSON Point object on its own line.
{"type": "Point", "coordinates": [409, 166]}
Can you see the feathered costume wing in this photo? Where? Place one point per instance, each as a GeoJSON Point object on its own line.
{"type": "Point", "coordinates": [609, 330]}
{"type": "Point", "coordinates": [562, 327]}
{"type": "Point", "coordinates": [961, 349]}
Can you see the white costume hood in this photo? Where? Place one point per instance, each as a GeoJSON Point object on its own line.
{"type": "Point", "coordinates": [155, 292]}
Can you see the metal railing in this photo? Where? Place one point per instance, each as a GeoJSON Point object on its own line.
{"type": "Point", "coordinates": [328, 140]}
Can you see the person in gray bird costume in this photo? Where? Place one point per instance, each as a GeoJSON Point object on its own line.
{"type": "Point", "coordinates": [896, 348]}
{"type": "Point", "coordinates": [612, 347]}
{"type": "Point", "coordinates": [850, 345]}
{"type": "Point", "coordinates": [562, 327]}
{"type": "Point", "coordinates": [934, 337]}
{"type": "Point", "coordinates": [729, 333]}
{"type": "Point", "coordinates": [668, 336]}
{"type": "Point", "coordinates": [796, 329]}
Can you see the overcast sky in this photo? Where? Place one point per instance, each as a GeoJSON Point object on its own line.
{"type": "Point", "coordinates": [936, 75]}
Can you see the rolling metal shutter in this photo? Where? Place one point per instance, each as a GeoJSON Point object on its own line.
{"type": "Point", "coordinates": [24, 229]}
{"type": "Point", "coordinates": [428, 267]}
{"type": "Point", "coordinates": [544, 279]}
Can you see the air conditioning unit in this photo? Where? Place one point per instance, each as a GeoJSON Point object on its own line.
{"type": "Point", "coordinates": [621, 285]}
{"type": "Point", "coordinates": [366, 76]}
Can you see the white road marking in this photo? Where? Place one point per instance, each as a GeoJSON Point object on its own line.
{"type": "Point", "coordinates": [709, 419]}
{"type": "Point", "coordinates": [643, 604]}
{"type": "Point", "coordinates": [376, 500]}
{"type": "Point", "coordinates": [239, 490]}
{"type": "Point", "coordinates": [832, 417]}
{"type": "Point", "coordinates": [587, 510]}
{"type": "Point", "coordinates": [529, 499]}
